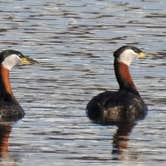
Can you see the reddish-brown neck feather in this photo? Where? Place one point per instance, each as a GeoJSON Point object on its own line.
{"type": "Point", "coordinates": [5, 80]}
{"type": "Point", "coordinates": [123, 77]}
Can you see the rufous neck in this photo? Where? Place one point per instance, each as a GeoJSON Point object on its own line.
{"type": "Point", "coordinates": [5, 87]}
{"type": "Point", "coordinates": [124, 78]}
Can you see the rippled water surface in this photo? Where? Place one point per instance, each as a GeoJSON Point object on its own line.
{"type": "Point", "coordinates": [74, 40]}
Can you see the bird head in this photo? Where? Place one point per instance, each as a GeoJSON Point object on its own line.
{"type": "Point", "coordinates": [11, 58]}
{"type": "Point", "coordinates": [126, 54]}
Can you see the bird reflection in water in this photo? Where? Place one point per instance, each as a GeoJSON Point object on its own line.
{"type": "Point", "coordinates": [5, 130]}
{"type": "Point", "coordinates": [120, 140]}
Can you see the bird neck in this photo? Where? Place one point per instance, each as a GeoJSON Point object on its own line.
{"type": "Point", "coordinates": [124, 78]}
{"type": "Point", "coordinates": [5, 87]}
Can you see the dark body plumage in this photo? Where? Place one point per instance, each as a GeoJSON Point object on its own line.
{"type": "Point", "coordinates": [10, 111]}
{"type": "Point", "coordinates": [122, 106]}
{"type": "Point", "coordinates": [116, 107]}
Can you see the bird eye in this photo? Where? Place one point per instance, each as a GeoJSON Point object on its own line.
{"type": "Point", "coordinates": [20, 55]}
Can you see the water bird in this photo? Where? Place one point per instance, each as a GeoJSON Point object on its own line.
{"type": "Point", "coordinates": [10, 109]}
{"type": "Point", "coordinates": [124, 105]}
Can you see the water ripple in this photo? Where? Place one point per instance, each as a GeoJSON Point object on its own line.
{"type": "Point", "coordinates": [74, 42]}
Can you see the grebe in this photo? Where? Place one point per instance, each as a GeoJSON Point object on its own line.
{"type": "Point", "coordinates": [124, 105]}
{"type": "Point", "coordinates": [9, 107]}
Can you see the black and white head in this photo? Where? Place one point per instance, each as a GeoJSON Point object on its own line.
{"type": "Point", "coordinates": [11, 58]}
{"type": "Point", "coordinates": [126, 54]}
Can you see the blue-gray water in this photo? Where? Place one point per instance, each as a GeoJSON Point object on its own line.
{"type": "Point", "coordinates": [74, 40]}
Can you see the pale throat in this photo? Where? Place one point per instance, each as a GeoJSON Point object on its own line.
{"type": "Point", "coordinates": [10, 61]}
{"type": "Point", "coordinates": [127, 57]}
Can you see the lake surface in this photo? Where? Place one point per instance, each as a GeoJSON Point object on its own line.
{"type": "Point", "coordinates": [74, 41]}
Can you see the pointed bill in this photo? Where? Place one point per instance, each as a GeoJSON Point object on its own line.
{"type": "Point", "coordinates": [141, 55]}
{"type": "Point", "coordinates": [28, 61]}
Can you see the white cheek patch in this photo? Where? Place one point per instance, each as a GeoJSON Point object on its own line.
{"type": "Point", "coordinates": [127, 56]}
{"type": "Point", "coordinates": [10, 61]}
